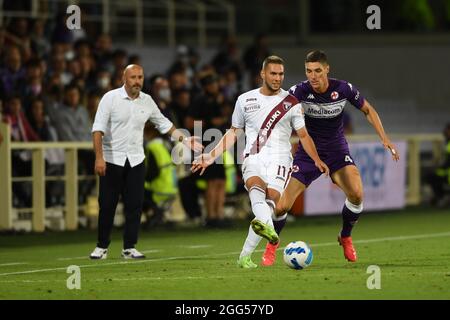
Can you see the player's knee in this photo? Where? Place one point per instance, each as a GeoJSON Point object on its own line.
{"type": "Point", "coordinates": [356, 196]}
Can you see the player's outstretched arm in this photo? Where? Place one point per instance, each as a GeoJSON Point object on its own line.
{"type": "Point", "coordinates": [190, 142]}
{"type": "Point", "coordinates": [374, 119]}
{"type": "Point", "coordinates": [310, 148]}
{"type": "Point", "coordinates": [206, 159]}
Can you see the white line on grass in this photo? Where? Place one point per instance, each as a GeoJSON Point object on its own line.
{"type": "Point", "coordinates": [200, 246]}
{"type": "Point", "coordinates": [73, 258]}
{"type": "Point", "coordinates": [151, 251]}
{"type": "Point", "coordinates": [12, 264]}
{"type": "Point", "coordinates": [399, 238]}
{"type": "Point", "coordinates": [424, 273]}
{"type": "Point", "coordinates": [86, 257]}
{"type": "Point", "coordinates": [119, 279]}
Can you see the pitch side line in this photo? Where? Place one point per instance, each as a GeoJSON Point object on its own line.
{"type": "Point", "coordinates": [200, 246]}
{"type": "Point", "coordinates": [12, 264]}
{"type": "Point", "coordinates": [86, 257]}
{"type": "Point", "coordinates": [73, 258]}
{"type": "Point", "coordinates": [399, 238]}
{"type": "Point", "coordinates": [254, 275]}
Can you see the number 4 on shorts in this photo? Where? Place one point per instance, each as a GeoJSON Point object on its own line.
{"type": "Point", "coordinates": [348, 159]}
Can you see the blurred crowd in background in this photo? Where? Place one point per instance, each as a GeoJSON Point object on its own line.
{"type": "Point", "coordinates": [52, 79]}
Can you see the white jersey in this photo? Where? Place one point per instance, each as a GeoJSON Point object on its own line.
{"type": "Point", "coordinates": [251, 111]}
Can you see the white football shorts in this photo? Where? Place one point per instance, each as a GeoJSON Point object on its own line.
{"type": "Point", "coordinates": [274, 170]}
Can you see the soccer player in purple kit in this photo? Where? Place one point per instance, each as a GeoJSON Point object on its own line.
{"type": "Point", "coordinates": [323, 101]}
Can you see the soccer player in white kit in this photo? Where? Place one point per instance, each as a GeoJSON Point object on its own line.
{"type": "Point", "coordinates": [268, 115]}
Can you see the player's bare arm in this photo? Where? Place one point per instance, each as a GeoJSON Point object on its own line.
{"type": "Point", "coordinates": [374, 119]}
{"type": "Point", "coordinates": [310, 148]}
{"type": "Point", "coordinates": [206, 159]}
{"type": "Point", "coordinates": [190, 142]}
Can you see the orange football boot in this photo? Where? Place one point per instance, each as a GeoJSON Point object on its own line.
{"type": "Point", "coordinates": [270, 253]}
{"type": "Point", "coordinates": [349, 250]}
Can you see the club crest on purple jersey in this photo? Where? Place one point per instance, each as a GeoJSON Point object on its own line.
{"type": "Point", "coordinates": [334, 95]}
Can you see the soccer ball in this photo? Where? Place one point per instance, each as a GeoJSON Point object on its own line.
{"type": "Point", "coordinates": [297, 255]}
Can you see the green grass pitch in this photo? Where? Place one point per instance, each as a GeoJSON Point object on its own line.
{"type": "Point", "coordinates": [411, 248]}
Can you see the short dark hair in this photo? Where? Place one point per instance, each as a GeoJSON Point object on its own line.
{"type": "Point", "coordinates": [272, 59]}
{"type": "Point", "coordinates": [317, 56]}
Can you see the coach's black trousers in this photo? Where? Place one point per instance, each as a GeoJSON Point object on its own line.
{"type": "Point", "coordinates": [128, 182]}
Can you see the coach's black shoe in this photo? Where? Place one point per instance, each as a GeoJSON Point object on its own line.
{"type": "Point", "coordinates": [132, 254]}
{"type": "Point", "coordinates": [99, 253]}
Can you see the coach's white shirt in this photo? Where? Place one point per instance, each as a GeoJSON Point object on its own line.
{"type": "Point", "coordinates": [122, 122]}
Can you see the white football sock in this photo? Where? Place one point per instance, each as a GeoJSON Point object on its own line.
{"type": "Point", "coordinates": [262, 212]}
{"type": "Point", "coordinates": [279, 218]}
{"type": "Point", "coordinates": [250, 243]}
{"type": "Point", "coordinates": [260, 208]}
{"type": "Point", "coordinates": [355, 208]}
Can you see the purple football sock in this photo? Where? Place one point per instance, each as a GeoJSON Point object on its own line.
{"type": "Point", "coordinates": [278, 225]}
{"type": "Point", "coordinates": [349, 219]}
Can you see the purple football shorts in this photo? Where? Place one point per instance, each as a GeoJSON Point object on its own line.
{"type": "Point", "coordinates": [304, 170]}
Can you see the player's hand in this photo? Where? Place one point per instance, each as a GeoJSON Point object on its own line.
{"type": "Point", "coordinates": [202, 162]}
{"type": "Point", "coordinates": [322, 167]}
{"type": "Point", "coordinates": [100, 167]}
{"type": "Point", "coordinates": [193, 144]}
{"type": "Point", "coordinates": [388, 145]}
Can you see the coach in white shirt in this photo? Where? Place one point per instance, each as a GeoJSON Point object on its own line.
{"type": "Point", "coordinates": [119, 157]}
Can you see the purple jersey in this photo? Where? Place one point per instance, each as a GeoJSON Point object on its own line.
{"type": "Point", "coordinates": [324, 112]}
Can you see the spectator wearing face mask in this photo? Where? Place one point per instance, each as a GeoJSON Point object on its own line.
{"type": "Point", "coordinates": [103, 83]}
{"type": "Point", "coordinates": [58, 68]}
{"type": "Point", "coordinates": [161, 93]}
